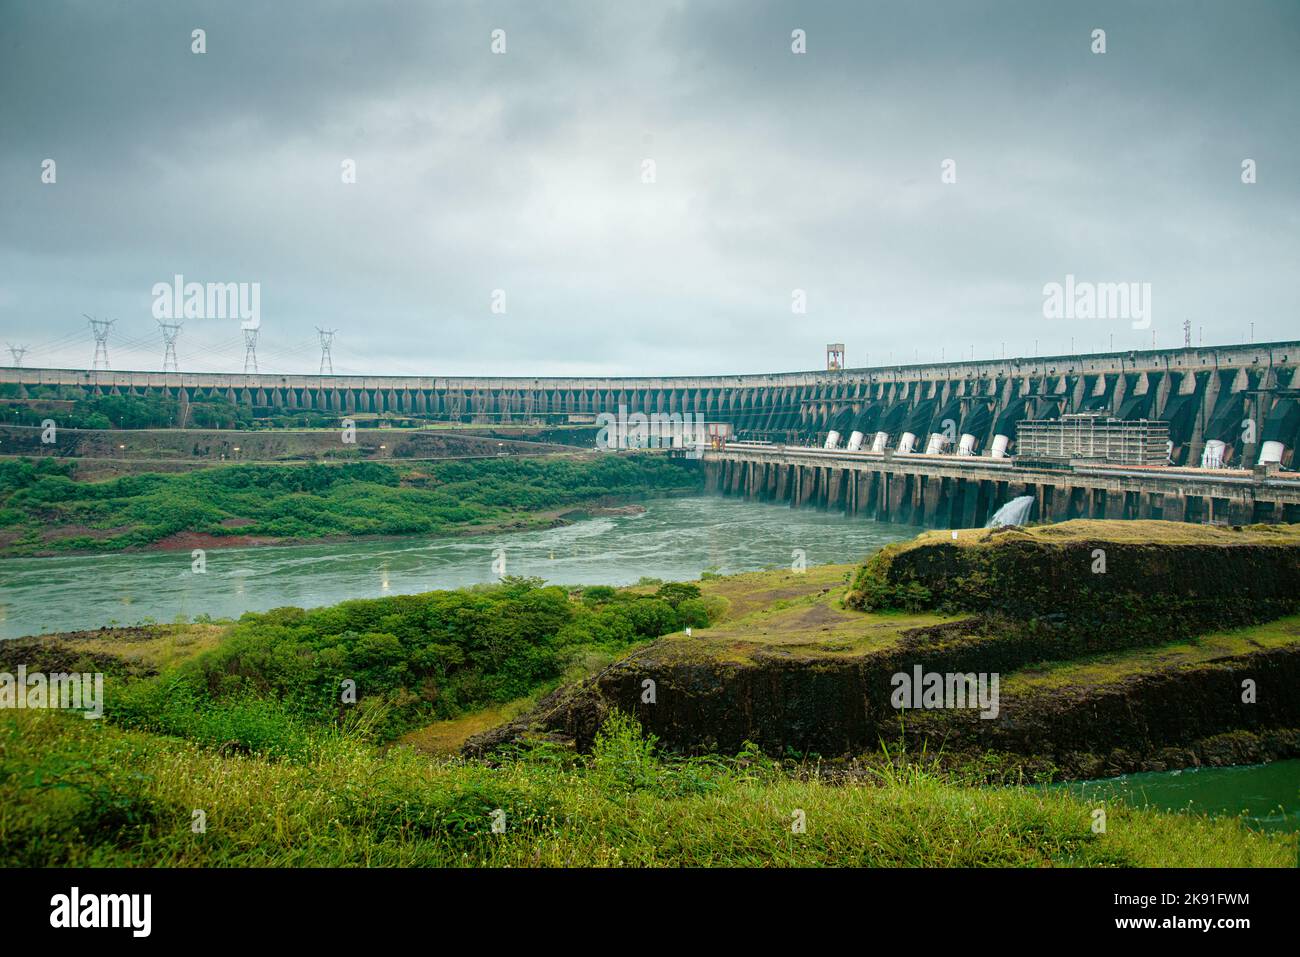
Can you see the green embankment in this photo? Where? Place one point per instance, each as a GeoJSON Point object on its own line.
{"type": "Point", "coordinates": [44, 510]}
{"type": "Point", "coordinates": [391, 665]}
{"type": "Point", "coordinates": [1180, 652]}
{"type": "Point", "coordinates": [1111, 578]}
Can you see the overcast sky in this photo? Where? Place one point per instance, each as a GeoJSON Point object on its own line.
{"type": "Point", "coordinates": [524, 172]}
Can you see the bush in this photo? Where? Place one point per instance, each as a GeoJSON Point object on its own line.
{"type": "Point", "coordinates": [622, 758]}
{"type": "Point", "coordinates": [677, 592]}
{"type": "Point", "coordinates": [278, 677]}
{"type": "Point", "coordinates": [355, 498]}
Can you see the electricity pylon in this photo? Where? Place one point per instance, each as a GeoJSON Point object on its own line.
{"type": "Point", "coordinates": [170, 330]}
{"type": "Point", "coordinates": [100, 329]}
{"type": "Point", "coordinates": [250, 350]}
{"type": "Point", "coordinates": [326, 341]}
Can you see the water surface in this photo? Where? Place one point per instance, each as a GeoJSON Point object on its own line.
{"type": "Point", "coordinates": [1265, 796]}
{"type": "Point", "coordinates": [674, 539]}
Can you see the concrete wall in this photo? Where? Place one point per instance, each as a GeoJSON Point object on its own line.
{"type": "Point", "coordinates": [797, 406]}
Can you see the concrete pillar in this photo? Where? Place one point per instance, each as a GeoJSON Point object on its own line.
{"type": "Point", "coordinates": [1097, 503]}
{"type": "Point", "coordinates": [970, 516]}
{"type": "Point", "coordinates": [1113, 505]}
{"type": "Point", "coordinates": [930, 498]}
{"type": "Point", "coordinates": [900, 504]}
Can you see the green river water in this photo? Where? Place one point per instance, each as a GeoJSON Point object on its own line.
{"type": "Point", "coordinates": [1265, 796]}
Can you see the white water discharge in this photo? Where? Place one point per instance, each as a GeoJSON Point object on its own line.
{"type": "Point", "coordinates": [1015, 512]}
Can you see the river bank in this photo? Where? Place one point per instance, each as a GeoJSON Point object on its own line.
{"type": "Point", "coordinates": [45, 510]}
{"type": "Point", "coordinates": [188, 541]}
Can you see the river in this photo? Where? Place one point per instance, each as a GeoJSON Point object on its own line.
{"type": "Point", "coordinates": [1265, 796]}
{"type": "Point", "coordinates": [674, 539]}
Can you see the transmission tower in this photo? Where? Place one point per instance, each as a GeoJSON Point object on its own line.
{"type": "Point", "coordinates": [326, 341]}
{"type": "Point", "coordinates": [170, 331]}
{"type": "Point", "coordinates": [100, 328]}
{"type": "Point", "coordinates": [1187, 333]}
{"type": "Point", "coordinates": [250, 350]}
{"type": "Point", "coordinates": [18, 352]}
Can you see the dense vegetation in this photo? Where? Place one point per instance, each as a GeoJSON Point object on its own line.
{"type": "Point", "coordinates": [49, 510]}
{"type": "Point", "coordinates": [74, 409]}
{"type": "Point", "coordinates": [81, 793]}
{"type": "Point", "coordinates": [391, 664]}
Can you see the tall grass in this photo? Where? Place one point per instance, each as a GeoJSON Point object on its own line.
{"type": "Point", "coordinates": [75, 792]}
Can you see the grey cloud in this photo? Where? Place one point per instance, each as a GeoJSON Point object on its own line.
{"type": "Point", "coordinates": [522, 172]}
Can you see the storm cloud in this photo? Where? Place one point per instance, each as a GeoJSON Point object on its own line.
{"type": "Point", "coordinates": [525, 172]}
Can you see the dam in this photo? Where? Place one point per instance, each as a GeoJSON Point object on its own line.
{"type": "Point", "coordinates": [1204, 434]}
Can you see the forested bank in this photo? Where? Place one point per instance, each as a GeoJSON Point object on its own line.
{"type": "Point", "coordinates": [45, 510]}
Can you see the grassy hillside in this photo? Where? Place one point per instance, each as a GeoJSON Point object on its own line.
{"type": "Point", "coordinates": [270, 681]}
{"type": "Point", "coordinates": [1136, 668]}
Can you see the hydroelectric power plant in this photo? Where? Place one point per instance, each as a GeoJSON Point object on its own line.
{"type": "Point", "coordinates": [1190, 434]}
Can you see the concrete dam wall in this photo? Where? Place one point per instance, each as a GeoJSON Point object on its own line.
{"type": "Point", "coordinates": [1242, 396]}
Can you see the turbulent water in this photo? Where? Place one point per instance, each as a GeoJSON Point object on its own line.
{"type": "Point", "coordinates": [1015, 512]}
{"type": "Point", "coordinates": [674, 539]}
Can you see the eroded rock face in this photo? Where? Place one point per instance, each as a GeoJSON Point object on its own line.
{"type": "Point", "coordinates": [1177, 718]}
{"type": "Point", "coordinates": [1166, 590]}
{"type": "Point", "coordinates": [1046, 606]}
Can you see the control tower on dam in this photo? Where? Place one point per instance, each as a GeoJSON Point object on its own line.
{"type": "Point", "coordinates": [1238, 404]}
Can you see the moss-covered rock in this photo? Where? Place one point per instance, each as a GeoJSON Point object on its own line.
{"type": "Point", "coordinates": [1096, 578]}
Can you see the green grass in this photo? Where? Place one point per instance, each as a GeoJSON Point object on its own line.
{"type": "Point", "coordinates": [80, 793]}
{"type": "Point", "coordinates": [235, 726]}
{"type": "Point", "coordinates": [1206, 649]}
{"type": "Point", "coordinates": [790, 613]}
{"type": "Point", "coordinates": [1138, 532]}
